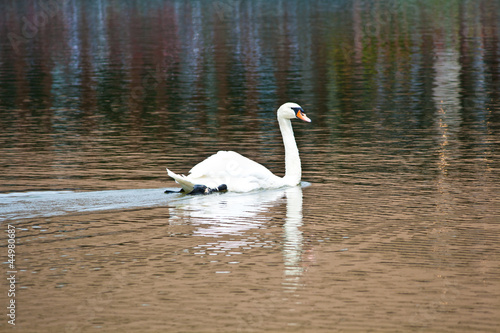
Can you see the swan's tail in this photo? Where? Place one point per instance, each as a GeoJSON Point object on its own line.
{"type": "Point", "coordinates": [182, 180]}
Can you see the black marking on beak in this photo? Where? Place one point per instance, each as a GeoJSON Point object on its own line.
{"type": "Point", "coordinates": [297, 111]}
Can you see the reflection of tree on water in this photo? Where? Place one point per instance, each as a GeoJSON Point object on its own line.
{"type": "Point", "coordinates": [231, 216]}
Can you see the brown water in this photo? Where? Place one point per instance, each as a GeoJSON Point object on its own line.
{"type": "Point", "coordinates": [396, 226]}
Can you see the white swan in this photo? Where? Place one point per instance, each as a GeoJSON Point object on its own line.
{"type": "Point", "coordinates": [239, 173]}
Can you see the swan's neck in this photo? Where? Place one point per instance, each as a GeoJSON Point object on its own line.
{"type": "Point", "coordinates": [293, 170]}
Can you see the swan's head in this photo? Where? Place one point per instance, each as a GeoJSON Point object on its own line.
{"type": "Point", "coordinates": [292, 111]}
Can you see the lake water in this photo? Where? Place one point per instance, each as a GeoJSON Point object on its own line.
{"type": "Point", "coordinates": [395, 227]}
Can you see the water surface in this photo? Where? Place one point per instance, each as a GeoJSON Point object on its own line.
{"type": "Point", "coordinates": [396, 229]}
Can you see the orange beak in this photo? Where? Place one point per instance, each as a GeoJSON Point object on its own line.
{"type": "Point", "coordinates": [302, 116]}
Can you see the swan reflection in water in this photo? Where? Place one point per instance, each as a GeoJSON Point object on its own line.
{"type": "Point", "coordinates": [227, 219]}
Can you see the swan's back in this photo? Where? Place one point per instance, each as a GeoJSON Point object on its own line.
{"type": "Point", "coordinates": [238, 172]}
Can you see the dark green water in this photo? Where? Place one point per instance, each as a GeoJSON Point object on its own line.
{"type": "Point", "coordinates": [397, 231]}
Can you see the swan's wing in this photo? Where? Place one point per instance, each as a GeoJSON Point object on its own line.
{"type": "Point", "coordinates": [238, 172]}
{"type": "Point", "coordinates": [229, 163]}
